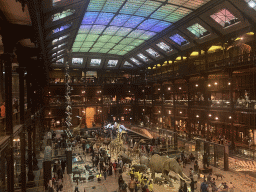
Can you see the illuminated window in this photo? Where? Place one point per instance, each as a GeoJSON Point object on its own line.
{"type": "Point", "coordinates": [63, 14]}
{"type": "Point", "coordinates": [62, 28]}
{"type": "Point", "coordinates": [224, 18]}
{"type": "Point", "coordinates": [164, 47]}
{"type": "Point", "coordinates": [198, 30]}
{"type": "Point", "coordinates": [77, 61]}
{"type": "Point", "coordinates": [60, 61]}
{"type": "Point", "coordinates": [143, 57]}
{"type": "Point", "coordinates": [59, 39]}
{"type": "Point", "coordinates": [179, 39]}
{"type": "Point", "coordinates": [251, 3]}
{"type": "Point", "coordinates": [95, 62]}
{"type": "Point", "coordinates": [152, 52]}
{"type": "Point", "coordinates": [59, 46]}
{"type": "Point", "coordinates": [112, 63]}
{"type": "Point", "coordinates": [127, 64]}
{"type": "Point", "coordinates": [135, 61]}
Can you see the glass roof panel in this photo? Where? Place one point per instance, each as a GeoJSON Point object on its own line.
{"type": "Point", "coordinates": [94, 49]}
{"type": "Point", "coordinates": [135, 61]}
{"type": "Point", "coordinates": [143, 57]}
{"type": "Point", "coordinates": [164, 47]}
{"type": "Point", "coordinates": [251, 3]}
{"type": "Point", "coordinates": [63, 14]}
{"type": "Point", "coordinates": [77, 61]}
{"type": "Point", "coordinates": [129, 48]}
{"type": "Point", "coordinates": [104, 18]}
{"type": "Point", "coordinates": [179, 39]}
{"type": "Point", "coordinates": [122, 52]}
{"type": "Point", "coordinates": [198, 30]}
{"type": "Point", "coordinates": [127, 64]}
{"type": "Point", "coordinates": [87, 44]}
{"type": "Point", "coordinates": [85, 29]}
{"type": "Point", "coordinates": [112, 63]}
{"type": "Point", "coordinates": [62, 28]}
{"type": "Point", "coordinates": [99, 44]}
{"type": "Point", "coordinates": [104, 50]}
{"type": "Point", "coordinates": [84, 49]}
{"type": "Point", "coordinates": [75, 49]}
{"type": "Point", "coordinates": [109, 45]}
{"type": "Point", "coordinates": [130, 22]}
{"type": "Point", "coordinates": [119, 46]}
{"type": "Point", "coordinates": [119, 20]}
{"type": "Point", "coordinates": [134, 21]}
{"type": "Point", "coordinates": [95, 62]}
{"type": "Point", "coordinates": [97, 29]}
{"type": "Point", "coordinates": [78, 44]}
{"type": "Point", "coordinates": [80, 37]}
{"type": "Point", "coordinates": [153, 53]}
{"type": "Point", "coordinates": [224, 18]}
{"type": "Point", "coordinates": [123, 31]}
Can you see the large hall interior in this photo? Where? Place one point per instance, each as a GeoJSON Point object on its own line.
{"type": "Point", "coordinates": [128, 95]}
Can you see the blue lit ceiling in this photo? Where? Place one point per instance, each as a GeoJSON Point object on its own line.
{"type": "Point", "coordinates": [119, 26]}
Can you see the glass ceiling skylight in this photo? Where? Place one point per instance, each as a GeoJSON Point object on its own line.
{"type": "Point", "coordinates": [112, 63]}
{"type": "Point", "coordinates": [135, 61]}
{"type": "Point", "coordinates": [164, 47]}
{"type": "Point", "coordinates": [63, 14]}
{"type": "Point", "coordinates": [107, 24]}
{"type": "Point", "coordinates": [60, 61]}
{"type": "Point", "coordinates": [198, 30]}
{"type": "Point", "coordinates": [127, 64]}
{"type": "Point", "coordinates": [59, 39]}
{"type": "Point", "coordinates": [77, 61]}
{"type": "Point", "coordinates": [95, 62]}
{"type": "Point", "coordinates": [62, 28]}
{"type": "Point", "coordinates": [153, 53]}
{"type": "Point", "coordinates": [59, 46]}
{"type": "Point", "coordinates": [251, 3]}
{"type": "Point", "coordinates": [179, 39]}
{"type": "Point", "coordinates": [143, 57]}
{"type": "Point", "coordinates": [224, 18]}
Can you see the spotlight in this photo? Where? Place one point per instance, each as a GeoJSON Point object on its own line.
{"type": "Point", "coordinates": [210, 115]}
{"type": "Point", "coordinates": [209, 85]}
{"type": "Point", "coordinates": [215, 83]}
{"type": "Point", "coordinates": [216, 118]}
{"type": "Point", "coordinates": [196, 85]}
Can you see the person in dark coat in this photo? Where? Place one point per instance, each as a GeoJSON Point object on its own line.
{"type": "Point", "coordinates": [110, 168]}
{"type": "Point", "coordinates": [63, 165]}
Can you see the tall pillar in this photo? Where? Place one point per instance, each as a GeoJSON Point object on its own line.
{"type": "Point", "coordinates": [231, 110]}
{"type": "Point", "coordinates": [206, 103]}
{"type": "Point", "coordinates": [152, 103]}
{"type": "Point", "coordinates": [3, 160]}
{"type": "Point", "coordinates": [189, 109]}
{"type": "Point", "coordinates": [7, 57]}
{"type": "Point", "coordinates": [174, 116]}
{"type": "Point", "coordinates": [21, 71]}
{"type": "Point", "coordinates": [162, 104]}
{"type": "Point", "coordinates": [30, 173]}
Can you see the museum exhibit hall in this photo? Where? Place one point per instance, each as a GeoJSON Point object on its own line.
{"type": "Point", "coordinates": [127, 95]}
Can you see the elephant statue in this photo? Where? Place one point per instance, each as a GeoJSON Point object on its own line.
{"type": "Point", "coordinates": [125, 158]}
{"type": "Point", "coordinates": [140, 168]}
{"type": "Point", "coordinates": [165, 165]}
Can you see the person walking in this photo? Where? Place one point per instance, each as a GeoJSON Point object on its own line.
{"type": "Point", "coordinates": [204, 187]}
{"type": "Point", "coordinates": [104, 172]}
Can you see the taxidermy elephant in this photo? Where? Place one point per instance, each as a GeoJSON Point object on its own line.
{"type": "Point", "coordinates": [161, 164]}
{"type": "Point", "coordinates": [140, 168]}
{"type": "Point", "coordinates": [125, 158]}
{"type": "Point", "coordinates": [144, 161]}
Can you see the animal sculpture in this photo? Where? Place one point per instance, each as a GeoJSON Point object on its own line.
{"type": "Point", "coordinates": [165, 165]}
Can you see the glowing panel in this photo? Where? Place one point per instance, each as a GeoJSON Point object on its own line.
{"type": "Point", "coordinates": [90, 17]}
{"type": "Point", "coordinates": [147, 35]}
{"type": "Point", "coordinates": [75, 49]}
{"type": "Point", "coordinates": [160, 26]}
{"type": "Point", "coordinates": [63, 14]}
{"type": "Point", "coordinates": [60, 61]}
{"type": "Point", "coordinates": [111, 30]}
{"type": "Point", "coordinates": [224, 18]}
{"type": "Point", "coordinates": [61, 28]}
{"type": "Point", "coordinates": [85, 29]}
{"type": "Point", "coordinates": [77, 61]}
{"type": "Point", "coordinates": [104, 18]}
{"type": "Point", "coordinates": [84, 49]}
{"type": "Point", "coordinates": [143, 57]}
{"type": "Point", "coordinates": [134, 21]}
{"type": "Point", "coordinates": [112, 63]}
{"type": "Point", "coordinates": [153, 53]}
{"type": "Point", "coordinates": [198, 30]}
{"type": "Point", "coordinates": [128, 23]}
{"type": "Point", "coordinates": [127, 64]}
{"type": "Point", "coordinates": [95, 62]}
{"type": "Point", "coordinates": [59, 39]}
{"type": "Point", "coordinates": [164, 47]}
{"type": "Point", "coordinates": [147, 24]}
{"type": "Point", "coordinates": [123, 31]}
{"type": "Point", "coordinates": [135, 61]}
{"type": "Point", "coordinates": [251, 3]}
{"type": "Point", "coordinates": [135, 34]}
{"type": "Point", "coordinates": [179, 39]}
{"type": "Point", "coordinates": [119, 20]}
{"type": "Point", "coordinates": [97, 29]}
